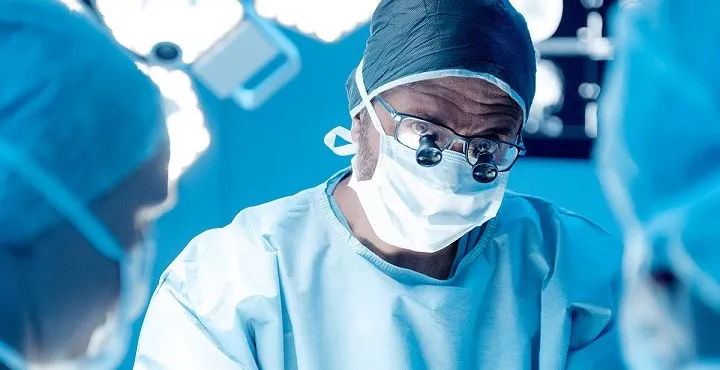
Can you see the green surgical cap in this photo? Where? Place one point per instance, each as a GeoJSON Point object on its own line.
{"type": "Point", "coordinates": [413, 40]}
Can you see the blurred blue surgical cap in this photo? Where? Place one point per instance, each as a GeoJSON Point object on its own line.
{"type": "Point", "coordinates": [660, 108]}
{"type": "Point", "coordinates": [658, 149]}
{"type": "Point", "coordinates": [73, 102]}
{"type": "Point", "coordinates": [412, 40]}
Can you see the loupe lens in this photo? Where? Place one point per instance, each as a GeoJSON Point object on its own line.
{"type": "Point", "coordinates": [485, 171]}
{"type": "Point", "coordinates": [428, 154]}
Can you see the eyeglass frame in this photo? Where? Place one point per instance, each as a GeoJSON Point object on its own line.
{"type": "Point", "coordinates": [398, 117]}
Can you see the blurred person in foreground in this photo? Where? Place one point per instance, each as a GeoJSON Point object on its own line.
{"type": "Point", "coordinates": [416, 257]}
{"type": "Point", "coordinates": [83, 176]}
{"type": "Point", "coordinates": [658, 156]}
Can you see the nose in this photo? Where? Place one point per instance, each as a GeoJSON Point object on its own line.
{"type": "Point", "coordinates": [457, 147]}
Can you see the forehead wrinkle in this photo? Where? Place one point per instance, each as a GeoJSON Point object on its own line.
{"type": "Point", "coordinates": [460, 119]}
{"type": "Point", "coordinates": [492, 100]}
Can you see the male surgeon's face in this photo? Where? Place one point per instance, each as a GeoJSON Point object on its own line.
{"type": "Point", "coordinates": [468, 106]}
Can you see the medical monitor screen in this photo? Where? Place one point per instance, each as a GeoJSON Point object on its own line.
{"type": "Point", "coordinates": [572, 42]}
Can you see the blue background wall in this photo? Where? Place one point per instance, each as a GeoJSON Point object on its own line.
{"type": "Point", "coordinates": [278, 150]}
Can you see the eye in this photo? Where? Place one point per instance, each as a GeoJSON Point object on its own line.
{"type": "Point", "coordinates": [483, 146]}
{"type": "Point", "coordinates": [420, 128]}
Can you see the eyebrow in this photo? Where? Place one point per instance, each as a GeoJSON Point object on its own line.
{"type": "Point", "coordinates": [502, 129]}
{"type": "Point", "coordinates": [504, 126]}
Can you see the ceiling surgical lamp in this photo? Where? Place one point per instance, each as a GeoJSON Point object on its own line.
{"type": "Point", "coordinates": [223, 44]}
{"type": "Point", "coordinates": [325, 20]}
{"type": "Point", "coordinates": [542, 16]}
{"type": "Point", "coordinates": [172, 40]}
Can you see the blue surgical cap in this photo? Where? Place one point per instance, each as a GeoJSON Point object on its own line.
{"type": "Point", "coordinates": [660, 107]}
{"type": "Point", "coordinates": [413, 40]}
{"type": "Point", "coordinates": [658, 149]}
{"type": "Point", "coordinates": [74, 103]}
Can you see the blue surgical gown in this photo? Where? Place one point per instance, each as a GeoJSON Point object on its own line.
{"type": "Point", "coordinates": [287, 286]}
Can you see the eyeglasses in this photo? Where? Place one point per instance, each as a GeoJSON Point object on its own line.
{"type": "Point", "coordinates": [430, 139]}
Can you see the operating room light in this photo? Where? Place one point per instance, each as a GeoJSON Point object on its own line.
{"type": "Point", "coordinates": [549, 91]}
{"type": "Point", "coordinates": [189, 137]}
{"type": "Point", "coordinates": [542, 16]}
{"type": "Point", "coordinates": [194, 25]}
{"type": "Point", "coordinates": [74, 5]}
{"type": "Point", "coordinates": [591, 120]}
{"type": "Point", "coordinates": [591, 92]}
{"type": "Point", "coordinates": [185, 120]}
{"type": "Point", "coordinates": [327, 20]}
{"type": "Point", "coordinates": [548, 99]}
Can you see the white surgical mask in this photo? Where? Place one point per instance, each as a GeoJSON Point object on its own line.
{"type": "Point", "coordinates": [109, 342]}
{"type": "Point", "coordinates": [423, 209]}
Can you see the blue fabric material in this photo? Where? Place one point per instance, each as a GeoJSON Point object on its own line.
{"type": "Point", "coordinates": [331, 185]}
{"type": "Point", "coordinates": [657, 155]}
{"type": "Point", "coordinates": [408, 37]}
{"type": "Point", "coordinates": [660, 151]}
{"type": "Point", "coordinates": [286, 285]}
{"type": "Point", "coordinates": [74, 103]}
{"type": "Point", "coordinates": [660, 138]}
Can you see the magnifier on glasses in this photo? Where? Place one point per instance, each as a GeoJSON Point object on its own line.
{"type": "Point", "coordinates": [485, 170]}
{"type": "Point", "coordinates": [429, 154]}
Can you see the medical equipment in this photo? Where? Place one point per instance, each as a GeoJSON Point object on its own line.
{"type": "Point", "coordinates": [324, 20]}
{"type": "Point", "coordinates": [185, 120]}
{"type": "Point", "coordinates": [161, 37]}
{"type": "Point", "coordinates": [429, 154]}
{"type": "Point", "coordinates": [572, 49]}
{"type": "Point", "coordinates": [166, 52]}
{"type": "Point", "coordinates": [189, 136]}
{"type": "Point", "coordinates": [429, 139]}
{"type": "Point", "coordinates": [485, 170]}
{"type": "Point", "coordinates": [208, 40]}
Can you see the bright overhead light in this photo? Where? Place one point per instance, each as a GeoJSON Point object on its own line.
{"type": "Point", "coordinates": [543, 16]}
{"type": "Point", "coordinates": [591, 119]}
{"type": "Point", "coordinates": [226, 47]}
{"type": "Point", "coordinates": [194, 25]}
{"type": "Point", "coordinates": [549, 82]}
{"type": "Point", "coordinates": [185, 120]}
{"type": "Point", "coordinates": [326, 20]}
{"type": "Point", "coordinates": [74, 5]}
{"type": "Point", "coordinates": [549, 96]}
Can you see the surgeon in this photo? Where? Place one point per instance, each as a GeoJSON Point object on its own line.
{"type": "Point", "coordinates": [657, 155]}
{"type": "Point", "coordinates": [83, 176]}
{"type": "Point", "coordinates": [416, 257]}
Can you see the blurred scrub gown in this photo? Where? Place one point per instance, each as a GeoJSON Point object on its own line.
{"type": "Point", "coordinates": [287, 286]}
{"type": "Point", "coordinates": [657, 158]}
